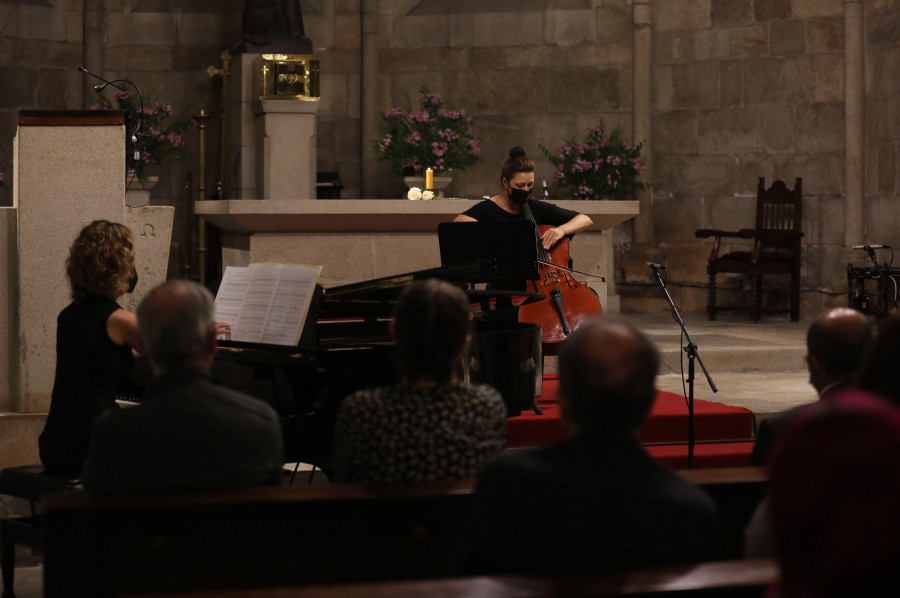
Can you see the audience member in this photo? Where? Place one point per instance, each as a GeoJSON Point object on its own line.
{"type": "Point", "coordinates": [835, 346]}
{"type": "Point", "coordinates": [879, 371]}
{"type": "Point", "coordinates": [188, 433]}
{"type": "Point", "coordinates": [430, 426]}
{"type": "Point", "coordinates": [94, 341]}
{"type": "Point", "coordinates": [597, 501]}
{"type": "Point", "coordinates": [835, 499]}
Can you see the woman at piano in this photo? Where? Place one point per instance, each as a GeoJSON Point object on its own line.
{"type": "Point", "coordinates": [95, 339]}
{"type": "Point", "coordinates": [517, 182]}
{"type": "Point", "coordinates": [430, 426]}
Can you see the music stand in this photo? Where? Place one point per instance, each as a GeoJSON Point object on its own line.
{"type": "Point", "coordinates": [509, 247]}
{"type": "Point", "coordinates": [505, 355]}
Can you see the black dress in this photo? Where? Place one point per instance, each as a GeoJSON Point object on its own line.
{"type": "Point", "coordinates": [89, 369]}
{"type": "Point", "coordinates": [544, 213]}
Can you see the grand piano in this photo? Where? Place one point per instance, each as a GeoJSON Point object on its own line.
{"type": "Point", "coordinates": [345, 345]}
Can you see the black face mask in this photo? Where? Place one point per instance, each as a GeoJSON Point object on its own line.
{"type": "Point", "coordinates": [520, 196]}
{"type": "Point", "coordinates": [132, 282]}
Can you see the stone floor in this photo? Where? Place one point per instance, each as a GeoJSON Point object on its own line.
{"type": "Point", "coordinates": [757, 366]}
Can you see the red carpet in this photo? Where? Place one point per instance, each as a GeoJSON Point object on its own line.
{"type": "Point", "coordinates": [667, 423]}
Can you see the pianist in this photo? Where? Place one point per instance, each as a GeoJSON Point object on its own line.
{"type": "Point", "coordinates": [188, 433]}
{"type": "Point", "coordinates": [94, 341]}
{"type": "Point", "coordinates": [430, 426]}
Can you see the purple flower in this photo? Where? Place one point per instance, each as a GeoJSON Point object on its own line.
{"type": "Point", "coordinates": [413, 138]}
{"type": "Point", "coordinates": [394, 113]}
{"type": "Point", "coordinates": [439, 149]}
{"type": "Point", "coordinates": [475, 146]}
{"type": "Point", "coordinates": [433, 98]}
{"type": "Point", "coordinates": [385, 143]}
{"type": "Point", "coordinates": [420, 116]}
{"type": "Point", "coordinates": [448, 134]}
{"type": "Point", "coordinates": [122, 96]}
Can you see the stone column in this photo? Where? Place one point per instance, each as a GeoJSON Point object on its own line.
{"type": "Point", "coordinates": [92, 53]}
{"type": "Point", "coordinates": [286, 149]}
{"type": "Point", "coordinates": [641, 115]}
{"type": "Point", "coordinates": [369, 94]}
{"type": "Point", "coordinates": [854, 117]}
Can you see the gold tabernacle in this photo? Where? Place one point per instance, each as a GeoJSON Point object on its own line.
{"type": "Point", "coordinates": [287, 77]}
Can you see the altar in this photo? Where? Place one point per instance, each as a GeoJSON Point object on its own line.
{"type": "Point", "coordinates": [361, 239]}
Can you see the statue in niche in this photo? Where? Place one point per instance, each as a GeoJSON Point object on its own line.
{"type": "Point", "coordinates": [274, 22]}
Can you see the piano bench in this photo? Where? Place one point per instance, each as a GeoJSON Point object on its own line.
{"type": "Point", "coordinates": [27, 482]}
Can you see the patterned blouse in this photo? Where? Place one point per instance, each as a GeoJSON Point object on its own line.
{"type": "Point", "coordinates": [402, 433]}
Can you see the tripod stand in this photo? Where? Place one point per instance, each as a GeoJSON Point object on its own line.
{"type": "Point", "coordinates": [693, 353]}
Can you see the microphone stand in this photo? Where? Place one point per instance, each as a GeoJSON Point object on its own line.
{"type": "Point", "coordinates": [883, 273]}
{"type": "Point", "coordinates": [137, 119]}
{"type": "Point", "coordinates": [693, 353]}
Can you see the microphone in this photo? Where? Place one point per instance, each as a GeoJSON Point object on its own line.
{"type": "Point", "coordinates": [656, 266]}
{"type": "Point", "coordinates": [101, 86]}
{"type": "Point", "coordinates": [868, 247]}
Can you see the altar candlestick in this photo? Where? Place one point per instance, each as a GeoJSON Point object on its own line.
{"type": "Point", "coordinates": [429, 179]}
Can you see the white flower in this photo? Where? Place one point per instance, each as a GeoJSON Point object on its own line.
{"type": "Point", "coordinates": [428, 195]}
{"type": "Point", "coordinates": [414, 193]}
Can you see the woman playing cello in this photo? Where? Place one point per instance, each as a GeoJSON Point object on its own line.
{"type": "Point", "coordinates": [517, 180]}
{"type": "Point", "coordinates": [568, 301]}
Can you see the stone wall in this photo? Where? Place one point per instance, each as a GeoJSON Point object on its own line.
{"type": "Point", "coordinates": [741, 89]}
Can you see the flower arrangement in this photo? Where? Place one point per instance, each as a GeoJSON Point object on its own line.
{"type": "Point", "coordinates": [599, 167]}
{"type": "Point", "coordinates": [157, 139]}
{"type": "Point", "coordinates": [415, 193]}
{"type": "Point", "coordinates": [432, 136]}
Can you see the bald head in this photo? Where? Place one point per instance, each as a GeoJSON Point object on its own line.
{"type": "Point", "coordinates": [607, 371]}
{"type": "Point", "coordinates": [177, 325]}
{"type": "Point", "coordinates": [836, 343]}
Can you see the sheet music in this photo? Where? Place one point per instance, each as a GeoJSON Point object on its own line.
{"type": "Point", "coordinates": [266, 303]}
{"type": "Point", "coordinates": [231, 293]}
{"type": "Point", "coordinates": [292, 296]}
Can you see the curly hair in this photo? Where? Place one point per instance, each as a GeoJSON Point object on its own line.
{"type": "Point", "coordinates": [101, 260]}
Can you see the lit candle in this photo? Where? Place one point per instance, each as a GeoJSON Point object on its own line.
{"type": "Point", "coordinates": [429, 179]}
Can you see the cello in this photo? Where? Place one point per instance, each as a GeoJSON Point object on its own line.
{"type": "Point", "coordinates": [567, 302]}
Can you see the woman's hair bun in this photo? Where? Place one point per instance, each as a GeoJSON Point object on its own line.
{"type": "Point", "coordinates": [517, 152]}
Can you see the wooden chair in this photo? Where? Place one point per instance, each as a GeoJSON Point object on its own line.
{"type": "Point", "coordinates": [776, 249]}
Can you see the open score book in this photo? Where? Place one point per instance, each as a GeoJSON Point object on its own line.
{"type": "Point", "coordinates": [266, 303]}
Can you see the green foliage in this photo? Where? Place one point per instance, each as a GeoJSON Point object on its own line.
{"type": "Point", "coordinates": [158, 139]}
{"type": "Point", "coordinates": [431, 137]}
{"type": "Point", "coordinates": [599, 167]}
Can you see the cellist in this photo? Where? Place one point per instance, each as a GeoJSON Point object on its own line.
{"type": "Point", "coordinates": [557, 317]}
{"type": "Point", "coordinates": [517, 180]}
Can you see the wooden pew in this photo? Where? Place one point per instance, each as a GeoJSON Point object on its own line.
{"type": "Point", "coordinates": [270, 537]}
{"type": "Point", "coordinates": [725, 579]}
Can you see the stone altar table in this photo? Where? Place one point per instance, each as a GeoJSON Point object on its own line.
{"type": "Point", "coordinates": [362, 239]}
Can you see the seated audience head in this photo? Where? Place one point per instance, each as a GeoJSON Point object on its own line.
{"type": "Point", "coordinates": [607, 376]}
{"type": "Point", "coordinates": [101, 261]}
{"type": "Point", "coordinates": [431, 326]}
{"type": "Point", "coordinates": [836, 343]}
{"type": "Point", "coordinates": [177, 324]}
{"type": "Point", "coordinates": [835, 498]}
{"type": "Point", "coordinates": [879, 370]}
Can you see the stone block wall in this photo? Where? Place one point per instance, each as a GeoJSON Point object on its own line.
{"type": "Point", "coordinates": [740, 89]}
